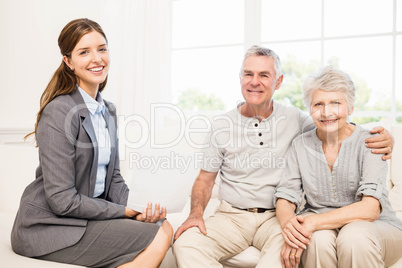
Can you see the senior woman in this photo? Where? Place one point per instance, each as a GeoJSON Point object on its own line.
{"type": "Point", "coordinates": [347, 219]}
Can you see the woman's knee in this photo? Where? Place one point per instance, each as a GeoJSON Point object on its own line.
{"type": "Point", "coordinates": [162, 240]}
{"type": "Point", "coordinates": [168, 231]}
{"type": "Point", "coordinates": [165, 234]}
{"type": "Point", "coordinates": [357, 236]}
{"type": "Point", "coordinates": [323, 239]}
{"type": "Point", "coordinates": [322, 250]}
{"type": "Point", "coordinates": [359, 246]}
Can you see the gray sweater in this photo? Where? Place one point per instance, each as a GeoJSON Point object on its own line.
{"type": "Point", "coordinates": [250, 155]}
{"type": "Point", "coordinates": [356, 173]}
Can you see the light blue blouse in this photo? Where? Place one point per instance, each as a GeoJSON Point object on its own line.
{"type": "Point", "coordinates": [96, 110]}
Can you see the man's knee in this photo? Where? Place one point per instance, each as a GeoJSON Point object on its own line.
{"type": "Point", "coordinates": [193, 249]}
{"type": "Point", "coordinates": [270, 232]}
{"type": "Point", "coordinates": [188, 240]}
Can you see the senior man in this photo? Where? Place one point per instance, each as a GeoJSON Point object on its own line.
{"type": "Point", "coordinates": [247, 146]}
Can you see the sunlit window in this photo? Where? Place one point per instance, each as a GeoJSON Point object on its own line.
{"type": "Point", "coordinates": [290, 19]}
{"type": "Point", "coordinates": [361, 37]}
{"type": "Point", "coordinates": [207, 46]}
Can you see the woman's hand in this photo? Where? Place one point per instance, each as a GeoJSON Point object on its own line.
{"type": "Point", "coordinates": [290, 257]}
{"type": "Point", "coordinates": [295, 235]}
{"type": "Point", "coordinates": [146, 215]}
{"type": "Point", "coordinates": [130, 213]}
{"type": "Point", "coordinates": [309, 223]}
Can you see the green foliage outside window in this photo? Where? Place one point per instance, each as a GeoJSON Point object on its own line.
{"type": "Point", "coordinates": [295, 72]}
{"type": "Point", "coordinates": [193, 100]}
{"type": "Point", "coordinates": [290, 93]}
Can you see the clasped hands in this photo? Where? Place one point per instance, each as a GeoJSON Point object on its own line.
{"type": "Point", "coordinates": [146, 215]}
{"type": "Point", "coordinates": [297, 234]}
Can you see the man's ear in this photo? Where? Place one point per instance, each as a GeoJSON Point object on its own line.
{"type": "Point", "coordinates": [67, 62]}
{"type": "Point", "coordinates": [279, 82]}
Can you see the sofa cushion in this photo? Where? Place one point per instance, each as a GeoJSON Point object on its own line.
{"type": "Point", "coordinates": [245, 259]}
{"type": "Point", "coordinates": [395, 194]}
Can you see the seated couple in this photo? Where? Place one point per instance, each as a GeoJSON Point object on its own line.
{"type": "Point", "coordinates": [347, 220]}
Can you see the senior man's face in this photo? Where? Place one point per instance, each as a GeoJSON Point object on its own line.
{"type": "Point", "coordinates": [258, 80]}
{"type": "Point", "coordinates": [329, 111]}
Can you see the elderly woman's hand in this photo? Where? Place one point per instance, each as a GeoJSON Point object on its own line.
{"type": "Point", "coordinates": [295, 235]}
{"type": "Point", "coordinates": [381, 144]}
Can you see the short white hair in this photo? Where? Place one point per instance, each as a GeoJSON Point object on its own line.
{"type": "Point", "coordinates": [329, 79]}
{"type": "Point", "coordinates": [262, 51]}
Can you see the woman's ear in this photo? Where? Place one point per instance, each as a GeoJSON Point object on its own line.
{"type": "Point", "coordinates": [351, 110]}
{"type": "Point", "coordinates": [67, 62]}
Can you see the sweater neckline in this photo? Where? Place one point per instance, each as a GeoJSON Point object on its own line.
{"type": "Point", "coordinates": [348, 139]}
{"type": "Point", "coordinates": [245, 118]}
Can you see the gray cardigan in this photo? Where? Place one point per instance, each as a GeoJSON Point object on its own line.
{"type": "Point", "coordinates": [56, 206]}
{"type": "Point", "coordinates": [357, 172]}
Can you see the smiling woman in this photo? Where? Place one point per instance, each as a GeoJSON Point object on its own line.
{"type": "Point", "coordinates": [77, 205]}
{"type": "Point", "coordinates": [347, 220]}
{"type": "Point", "coordinates": [90, 62]}
{"type": "Point", "coordinates": [330, 111]}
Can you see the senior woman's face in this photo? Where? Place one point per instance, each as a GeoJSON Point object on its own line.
{"type": "Point", "coordinates": [329, 110]}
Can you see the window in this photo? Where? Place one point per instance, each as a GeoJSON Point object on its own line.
{"type": "Point", "coordinates": [361, 37]}
{"type": "Point", "coordinates": [207, 47]}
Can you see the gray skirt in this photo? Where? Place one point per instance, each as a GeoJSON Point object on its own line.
{"type": "Point", "coordinates": [107, 243]}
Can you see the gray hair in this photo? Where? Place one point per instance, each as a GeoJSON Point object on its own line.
{"type": "Point", "coordinates": [262, 51]}
{"type": "Point", "coordinates": [329, 79]}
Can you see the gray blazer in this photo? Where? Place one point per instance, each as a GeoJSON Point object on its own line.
{"type": "Point", "coordinates": [56, 206]}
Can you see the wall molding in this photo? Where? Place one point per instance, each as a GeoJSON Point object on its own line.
{"type": "Point", "coordinates": [15, 136]}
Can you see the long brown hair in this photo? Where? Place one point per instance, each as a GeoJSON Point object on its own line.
{"type": "Point", "coordinates": [64, 80]}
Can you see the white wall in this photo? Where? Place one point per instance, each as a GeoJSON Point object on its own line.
{"type": "Point", "coordinates": [29, 53]}
{"type": "Point", "coordinates": [139, 38]}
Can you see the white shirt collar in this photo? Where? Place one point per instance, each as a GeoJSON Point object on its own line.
{"type": "Point", "coordinates": [94, 106]}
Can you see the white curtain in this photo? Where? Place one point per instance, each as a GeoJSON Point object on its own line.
{"type": "Point", "coordinates": [140, 34]}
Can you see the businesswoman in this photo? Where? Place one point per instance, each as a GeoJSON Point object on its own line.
{"type": "Point", "coordinates": [347, 220]}
{"type": "Point", "coordinates": [75, 210]}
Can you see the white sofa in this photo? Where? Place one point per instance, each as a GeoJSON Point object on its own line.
{"type": "Point", "coordinates": [19, 161]}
